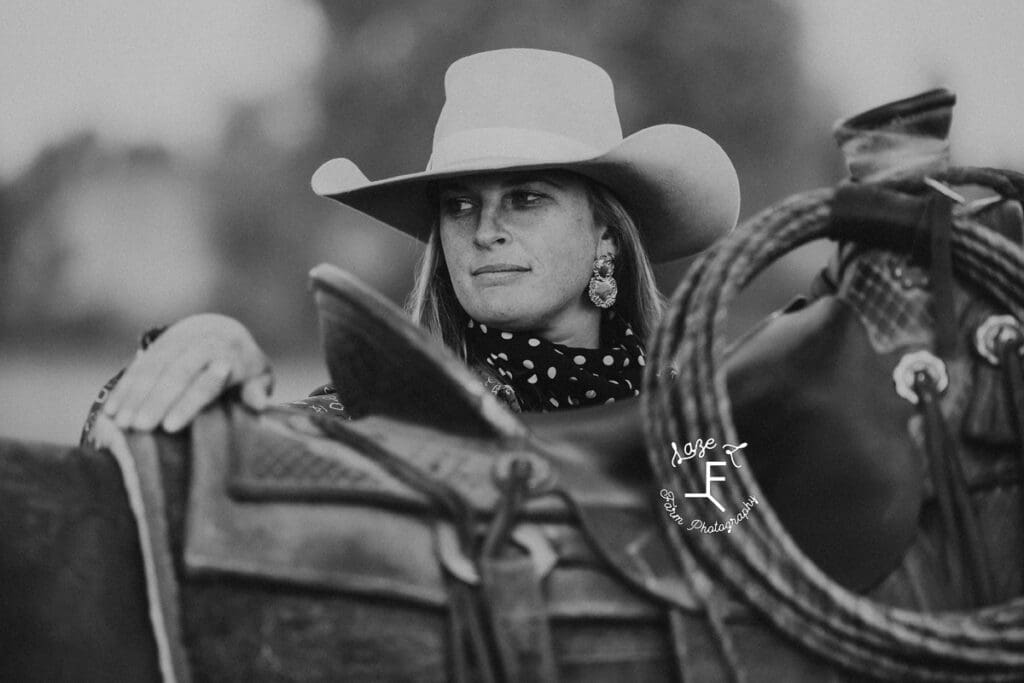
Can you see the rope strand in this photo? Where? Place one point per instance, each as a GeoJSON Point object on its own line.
{"type": "Point", "coordinates": [768, 569]}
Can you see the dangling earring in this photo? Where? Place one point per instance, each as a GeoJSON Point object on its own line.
{"type": "Point", "coordinates": [603, 289]}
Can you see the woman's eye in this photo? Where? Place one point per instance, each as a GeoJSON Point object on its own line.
{"type": "Point", "coordinates": [525, 198]}
{"type": "Point", "coordinates": [456, 206]}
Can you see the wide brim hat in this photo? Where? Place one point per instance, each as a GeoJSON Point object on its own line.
{"type": "Point", "coordinates": [524, 109]}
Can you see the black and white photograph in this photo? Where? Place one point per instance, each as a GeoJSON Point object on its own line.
{"type": "Point", "coordinates": [527, 342]}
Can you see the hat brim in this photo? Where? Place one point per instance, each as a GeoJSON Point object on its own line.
{"type": "Point", "coordinates": [676, 182]}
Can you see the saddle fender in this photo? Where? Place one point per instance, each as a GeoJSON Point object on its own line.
{"type": "Point", "coordinates": [828, 439]}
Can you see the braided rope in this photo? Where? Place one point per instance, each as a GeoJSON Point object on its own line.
{"type": "Point", "coordinates": [759, 560]}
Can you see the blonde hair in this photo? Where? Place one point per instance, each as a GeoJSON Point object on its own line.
{"type": "Point", "coordinates": [433, 305]}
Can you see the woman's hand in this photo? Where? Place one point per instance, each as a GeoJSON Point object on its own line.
{"type": "Point", "coordinates": [187, 367]}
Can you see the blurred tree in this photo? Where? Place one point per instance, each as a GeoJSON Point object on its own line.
{"type": "Point", "coordinates": [32, 254]}
{"type": "Point", "coordinates": [102, 241]}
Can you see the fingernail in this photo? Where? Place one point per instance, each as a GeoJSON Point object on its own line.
{"type": "Point", "coordinates": [143, 421]}
{"type": "Point", "coordinates": [172, 424]}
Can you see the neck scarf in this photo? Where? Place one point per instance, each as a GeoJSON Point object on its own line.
{"type": "Point", "coordinates": [547, 376]}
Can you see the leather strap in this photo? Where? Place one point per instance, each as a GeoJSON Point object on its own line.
{"type": "Point", "coordinates": [938, 221]}
{"type": "Point", "coordinates": [1014, 368]}
{"type": "Point", "coordinates": [964, 542]}
{"type": "Point", "coordinates": [518, 619]}
{"type": "Point", "coordinates": [1010, 360]}
{"type": "Point", "coordinates": [876, 216]}
{"type": "Point", "coordinates": [471, 656]}
{"type": "Point", "coordinates": [511, 590]}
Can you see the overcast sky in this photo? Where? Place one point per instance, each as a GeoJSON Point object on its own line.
{"type": "Point", "coordinates": [868, 52]}
{"type": "Point", "coordinates": [153, 71]}
{"type": "Point", "coordinates": [144, 70]}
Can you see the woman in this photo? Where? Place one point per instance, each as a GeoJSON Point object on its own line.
{"type": "Point", "coordinates": [539, 220]}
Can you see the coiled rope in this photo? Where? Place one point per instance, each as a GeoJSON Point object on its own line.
{"type": "Point", "coordinates": [761, 563]}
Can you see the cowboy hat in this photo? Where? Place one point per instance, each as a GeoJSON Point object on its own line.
{"type": "Point", "coordinates": [524, 109]}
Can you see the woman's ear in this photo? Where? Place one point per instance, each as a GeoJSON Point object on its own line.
{"type": "Point", "coordinates": [607, 243]}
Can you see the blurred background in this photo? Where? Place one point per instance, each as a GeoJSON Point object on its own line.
{"type": "Point", "coordinates": [155, 157]}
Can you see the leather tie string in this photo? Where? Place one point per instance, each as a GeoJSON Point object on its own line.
{"type": "Point", "coordinates": [963, 538]}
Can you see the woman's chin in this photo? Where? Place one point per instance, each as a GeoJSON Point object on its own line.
{"type": "Point", "coordinates": [504, 319]}
{"type": "Point", "coordinates": [510, 323]}
{"type": "Point", "coordinates": [507, 309]}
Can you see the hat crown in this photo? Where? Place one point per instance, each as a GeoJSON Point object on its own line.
{"type": "Point", "coordinates": [523, 109]}
{"type": "Point", "coordinates": [524, 105]}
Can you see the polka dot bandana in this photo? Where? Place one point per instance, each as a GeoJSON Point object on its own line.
{"type": "Point", "coordinates": [548, 376]}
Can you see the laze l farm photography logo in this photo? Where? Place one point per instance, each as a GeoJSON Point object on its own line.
{"type": "Point", "coordinates": [700, 449]}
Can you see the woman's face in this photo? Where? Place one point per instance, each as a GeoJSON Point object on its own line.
{"type": "Point", "coordinates": [520, 248]}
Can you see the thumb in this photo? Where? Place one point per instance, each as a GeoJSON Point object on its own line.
{"type": "Point", "coordinates": [256, 392]}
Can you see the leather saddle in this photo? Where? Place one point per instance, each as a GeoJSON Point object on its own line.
{"type": "Point", "coordinates": [438, 498]}
{"type": "Point", "coordinates": [433, 537]}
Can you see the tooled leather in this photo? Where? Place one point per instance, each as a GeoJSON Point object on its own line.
{"type": "Point", "coordinates": [272, 464]}
{"type": "Point", "coordinates": [890, 296]}
{"type": "Point", "coordinates": [887, 293]}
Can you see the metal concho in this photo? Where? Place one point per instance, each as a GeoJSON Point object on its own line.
{"type": "Point", "coordinates": [911, 364]}
{"type": "Point", "coordinates": [996, 331]}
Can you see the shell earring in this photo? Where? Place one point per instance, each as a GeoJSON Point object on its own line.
{"type": "Point", "coordinates": [603, 289]}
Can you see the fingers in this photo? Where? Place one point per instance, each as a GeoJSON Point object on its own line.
{"type": "Point", "coordinates": [117, 395]}
{"type": "Point", "coordinates": [167, 388]}
{"type": "Point", "coordinates": [205, 388]}
{"type": "Point", "coordinates": [135, 384]}
{"type": "Point", "coordinates": [152, 382]}
{"type": "Point", "coordinates": [191, 363]}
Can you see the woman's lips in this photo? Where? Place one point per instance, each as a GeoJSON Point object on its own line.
{"type": "Point", "coordinates": [499, 268]}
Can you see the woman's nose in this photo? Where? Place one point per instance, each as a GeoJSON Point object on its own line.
{"type": "Point", "coordinates": [490, 227]}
